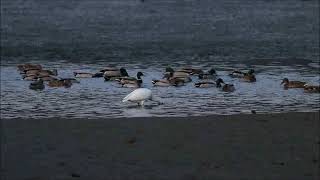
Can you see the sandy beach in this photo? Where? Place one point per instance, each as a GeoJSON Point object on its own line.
{"type": "Point", "coordinates": [258, 146]}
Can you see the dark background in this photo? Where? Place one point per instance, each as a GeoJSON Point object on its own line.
{"type": "Point", "coordinates": [102, 29]}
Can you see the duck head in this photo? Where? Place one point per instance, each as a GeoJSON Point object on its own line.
{"type": "Point", "coordinates": [169, 69]}
{"type": "Point", "coordinates": [285, 81]}
{"type": "Point", "coordinates": [123, 72]}
{"type": "Point", "coordinates": [139, 74]}
{"type": "Point", "coordinates": [218, 82]}
{"type": "Point", "coordinates": [251, 71]}
{"type": "Point", "coordinates": [212, 71]}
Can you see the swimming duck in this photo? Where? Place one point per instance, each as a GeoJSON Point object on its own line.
{"type": "Point", "coordinates": [169, 81]}
{"type": "Point", "coordinates": [125, 80]}
{"type": "Point", "coordinates": [60, 83]}
{"type": "Point", "coordinates": [48, 73]}
{"type": "Point", "coordinates": [37, 85]}
{"type": "Point", "coordinates": [292, 84]}
{"type": "Point", "coordinates": [211, 74]}
{"type": "Point", "coordinates": [30, 77]}
{"type": "Point", "coordinates": [73, 80]}
{"type": "Point", "coordinates": [249, 78]}
{"type": "Point", "coordinates": [26, 67]}
{"type": "Point", "coordinates": [225, 87]}
{"type": "Point", "coordinates": [192, 71]}
{"type": "Point", "coordinates": [47, 78]}
{"type": "Point", "coordinates": [204, 84]}
{"type": "Point", "coordinates": [114, 75]}
{"type": "Point", "coordinates": [311, 89]}
{"type": "Point", "coordinates": [132, 82]}
{"type": "Point", "coordinates": [178, 74]}
{"type": "Point", "coordinates": [82, 75]}
{"type": "Point", "coordinates": [239, 74]}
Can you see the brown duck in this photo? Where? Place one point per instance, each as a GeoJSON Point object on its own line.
{"type": "Point", "coordinates": [292, 84]}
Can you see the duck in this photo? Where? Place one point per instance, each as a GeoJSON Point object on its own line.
{"type": "Point", "coordinates": [225, 87]}
{"type": "Point", "coordinates": [60, 83]}
{"type": "Point", "coordinates": [115, 74]}
{"type": "Point", "coordinates": [37, 85]}
{"type": "Point", "coordinates": [204, 84]}
{"type": "Point", "coordinates": [168, 81]}
{"type": "Point", "coordinates": [292, 84]}
{"type": "Point", "coordinates": [54, 72]}
{"type": "Point", "coordinates": [124, 80]}
{"type": "Point", "coordinates": [87, 75]}
{"type": "Point", "coordinates": [47, 78]}
{"type": "Point", "coordinates": [26, 67]}
{"type": "Point", "coordinates": [249, 78]}
{"type": "Point", "coordinates": [179, 73]}
{"type": "Point", "coordinates": [30, 77]}
{"type": "Point", "coordinates": [139, 96]}
{"type": "Point", "coordinates": [192, 71]}
{"type": "Point", "coordinates": [73, 80]}
{"type": "Point", "coordinates": [211, 74]}
{"type": "Point", "coordinates": [311, 89]}
{"type": "Point", "coordinates": [131, 82]}
{"type": "Point", "coordinates": [240, 74]}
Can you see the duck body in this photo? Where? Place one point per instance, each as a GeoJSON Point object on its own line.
{"type": "Point", "coordinates": [204, 84]}
{"type": "Point", "coordinates": [240, 74]}
{"type": "Point", "coordinates": [82, 75]}
{"type": "Point", "coordinates": [27, 67]}
{"type": "Point", "coordinates": [60, 83]}
{"type": "Point", "coordinates": [192, 71]}
{"type": "Point", "coordinates": [139, 96]}
{"type": "Point", "coordinates": [48, 78]}
{"type": "Point", "coordinates": [292, 84]}
{"type": "Point", "coordinates": [131, 82]}
{"type": "Point", "coordinates": [30, 77]}
{"type": "Point", "coordinates": [112, 75]}
{"type": "Point", "coordinates": [225, 87]}
{"type": "Point", "coordinates": [211, 74]}
{"type": "Point", "coordinates": [37, 85]}
{"type": "Point", "coordinates": [249, 78]}
{"type": "Point", "coordinates": [311, 89]}
{"type": "Point", "coordinates": [161, 83]}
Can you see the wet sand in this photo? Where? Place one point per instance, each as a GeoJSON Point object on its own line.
{"type": "Point", "coordinates": [270, 146]}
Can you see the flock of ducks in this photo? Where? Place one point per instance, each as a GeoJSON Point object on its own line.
{"type": "Point", "coordinates": [171, 77]}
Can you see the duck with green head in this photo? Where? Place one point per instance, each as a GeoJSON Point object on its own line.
{"type": "Point", "coordinates": [211, 74]}
{"type": "Point", "coordinates": [37, 85]}
{"type": "Point", "coordinates": [225, 87]}
{"type": "Point", "coordinates": [114, 75]}
{"type": "Point", "coordinates": [168, 81]}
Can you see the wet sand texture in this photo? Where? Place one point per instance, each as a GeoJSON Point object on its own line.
{"type": "Point", "coordinates": [272, 146]}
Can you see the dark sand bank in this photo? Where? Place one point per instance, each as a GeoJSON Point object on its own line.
{"type": "Point", "coordinates": [271, 146]}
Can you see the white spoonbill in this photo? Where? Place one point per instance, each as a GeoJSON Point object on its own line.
{"type": "Point", "coordinates": [139, 96]}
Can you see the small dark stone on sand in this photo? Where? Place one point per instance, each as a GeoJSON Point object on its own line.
{"type": "Point", "coordinates": [132, 140]}
{"type": "Point", "coordinates": [75, 175]}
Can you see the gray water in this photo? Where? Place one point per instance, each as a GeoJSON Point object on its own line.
{"type": "Point", "coordinates": [278, 38]}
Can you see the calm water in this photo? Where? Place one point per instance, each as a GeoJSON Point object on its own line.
{"type": "Point", "coordinates": [94, 98]}
{"type": "Point", "coordinates": [278, 38]}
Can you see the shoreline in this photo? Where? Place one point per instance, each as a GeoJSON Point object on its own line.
{"type": "Point", "coordinates": [242, 146]}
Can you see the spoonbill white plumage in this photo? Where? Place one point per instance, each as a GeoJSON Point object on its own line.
{"type": "Point", "coordinates": [139, 96]}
